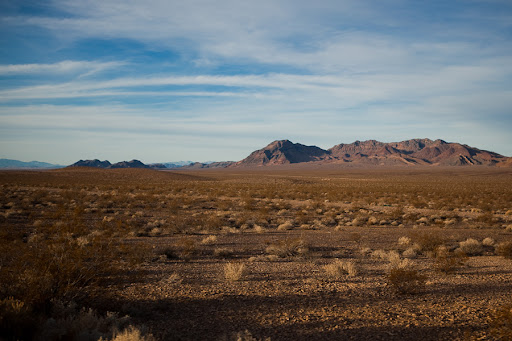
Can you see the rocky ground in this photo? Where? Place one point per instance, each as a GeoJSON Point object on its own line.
{"type": "Point", "coordinates": [293, 298]}
{"type": "Point", "coordinates": [304, 254]}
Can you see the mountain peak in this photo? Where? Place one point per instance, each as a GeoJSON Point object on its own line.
{"type": "Point", "coordinates": [92, 163]}
{"type": "Point", "coordinates": [283, 152]}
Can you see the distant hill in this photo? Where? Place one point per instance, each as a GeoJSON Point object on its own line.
{"type": "Point", "coordinates": [107, 165]}
{"type": "Point", "coordinates": [129, 164]}
{"type": "Point", "coordinates": [372, 152]}
{"type": "Point", "coordinates": [92, 163]}
{"type": "Point", "coordinates": [199, 165]}
{"type": "Point", "coordinates": [15, 164]}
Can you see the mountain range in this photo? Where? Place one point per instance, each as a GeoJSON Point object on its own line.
{"type": "Point", "coordinates": [371, 152]}
{"type": "Point", "coordinates": [424, 152]}
{"type": "Point", "coordinates": [15, 164]}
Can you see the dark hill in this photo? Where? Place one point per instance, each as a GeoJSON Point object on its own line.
{"type": "Point", "coordinates": [92, 163]}
{"type": "Point", "coordinates": [129, 164]}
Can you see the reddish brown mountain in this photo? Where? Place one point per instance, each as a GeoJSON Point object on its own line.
{"type": "Point", "coordinates": [371, 152]}
{"type": "Point", "coordinates": [284, 152]}
{"type": "Point", "coordinates": [416, 151]}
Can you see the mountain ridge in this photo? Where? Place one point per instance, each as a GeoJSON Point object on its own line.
{"type": "Point", "coordinates": [375, 153]}
{"type": "Point", "coordinates": [424, 152]}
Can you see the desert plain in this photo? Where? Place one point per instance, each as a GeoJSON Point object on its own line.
{"type": "Point", "coordinates": [279, 253]}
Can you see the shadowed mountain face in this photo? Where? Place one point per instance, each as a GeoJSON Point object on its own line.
{"type": "Point", "coordinates": [92, 163]}
{"type": "Point", "coordinates": [371, 152]}
{"type": "Point", "coordinates": [284, 152]}
{"type": "Point", "coordinates": [129, 164]}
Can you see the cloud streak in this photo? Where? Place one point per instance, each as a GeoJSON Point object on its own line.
{"type": "Point", "coordinates": [67, 66]}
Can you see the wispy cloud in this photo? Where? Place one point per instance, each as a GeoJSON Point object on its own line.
{"type": "Point", "coordinates": [205, 72]}
{"type": "Point", "coordinates": [67, 66]}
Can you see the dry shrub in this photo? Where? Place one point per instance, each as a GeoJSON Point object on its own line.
{"type": "Point", "coordinates": [259, 228]}
{"type": "Point", "coordinates": [500, 323]}
{"type": "Point", "coordinates": [403, 277]}
{"type": "Point", "coordinates": [486, 218]}
{"type": "Point", "coordinates": [62, 266]}
{"type": "Point", "coordinates": [365, 251]}
{"type": "Point", "coordinates": [471, 247]}
{"type": "Point", "coordinates": [209, 240]}
{"type": "Point", "coordinates": [63, 322]}
{"type": "Point", "coordinates": [393, 257]}
{"type": "Point", "coordinates": [410, 253]}
{"type": "Point", "coordinates": [223, 252]}
{"type": "Point", "coordinates": [234, 271]}
{"type": "Point", "coordinates": [488, 242]}
{"type": "Point", "coordinates": [404, 241]}
{"type": "Point", "coordinates": [379, 254]}
{"type": "Point", "coordinates": [406, 280]}
{"type": "Point", "coordinates": [448, 262]}
{"type": "Point", "coordinates": [67, 322]}
{"type": "Point", "coordinates": [427, 241]}
{"type": "Point", "coordinates": [338, 269]}
{"type": "Point", "coordinates": [17, 321]}
{"type": "Point", "coordinates": [505, 249]}
{"type": "Point", "coordinates": [187, 249]}
{"type": "Point", "coordinates": [289, 247]}
{"type": "Point", "coordinates": [131, 334]}
{"type": "Point", "coordinates": [288, 225]}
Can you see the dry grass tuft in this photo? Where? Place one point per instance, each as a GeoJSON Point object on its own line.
{"type": "Point", "coordinates": [288, 225]}
{"type": "Point", "coordinates": [223, 252]}
{"type": "Point", "coordinates": [404, 241]}
{"type": "Point", "coordinates": [209, 240]}
{"type": "Point", "coordinates": [131, 334]}
{"type": "Point", "coordinates": [410, 253]}
{"type": "Point", "coordinates": [288, 248]}
{"type": "Point", "coordinates": [234, 271]}
{"type": "Point", "coordinates": [339, 269]}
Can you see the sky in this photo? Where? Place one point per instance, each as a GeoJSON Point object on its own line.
{"type": "Point", "coordinates": [168, 80]}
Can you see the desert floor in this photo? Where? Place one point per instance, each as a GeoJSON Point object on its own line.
{"type": "Point", "coordinates": [285, 254]}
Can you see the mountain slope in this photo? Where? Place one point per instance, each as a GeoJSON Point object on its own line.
{"type": "Point", "coordinates": [283, 152]}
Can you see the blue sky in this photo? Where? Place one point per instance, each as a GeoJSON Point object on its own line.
{"type": "Point", "coordinates": [200, 80]}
